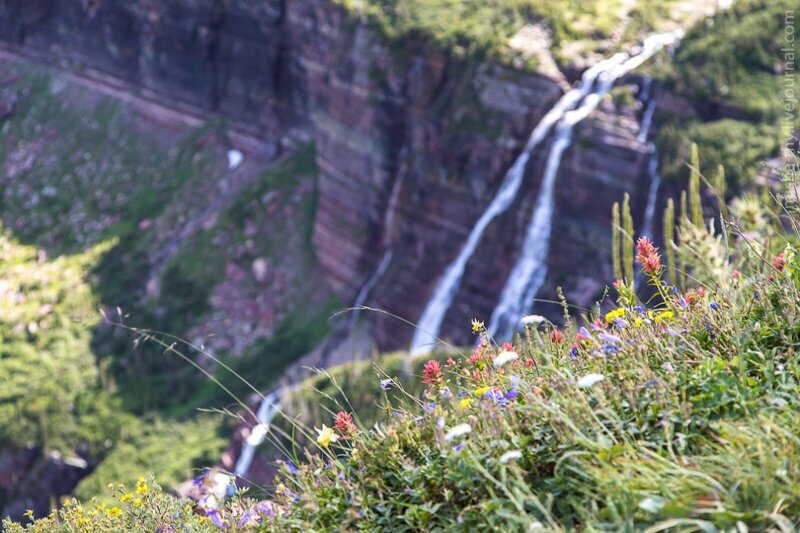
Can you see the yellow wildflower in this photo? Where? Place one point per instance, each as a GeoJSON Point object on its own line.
{"type": "Point", "coordinates": [114, 512]}
{"type": "Point", "coordinates": [482, 390]}
{"type": "Point", "coordinates": [465, 403]}
{"type": "Point", "coordinates": [141, 487]}
{"type": "Point", "coordinates": [280, 489]}
{"type": "Point", "coordinates": [477, 325]}
{"type": "Point", "coordinates": [28, 513]}
{"type": "Point", "coordinates": [619, 312]}
{"type": "Point", "coordinates": [664, 316]}
{"type": "Point", "coordinates": [638, 321]}
{"type": "Point", "coordinates": [326, 435]}
{"type": "Point", "coordinates": [137, 502]}
{"type": "Point", "coordinates": [203, 519]}
{"type": "Point", "coordinates": [126, 497]}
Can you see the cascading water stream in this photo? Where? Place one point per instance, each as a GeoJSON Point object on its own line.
{"type": "Point", "coordinates": [430, 322]}
{"type": "Point", "coordinates": [652, 167]}
{"type": "Point", "coordinates": [386, 242]}
{"type": "Point", "coordinates": [530, 270]}
{"type": "Point", "coordinates": [270, 404]}
{"type": "Point", "coordinates": [269, 407]}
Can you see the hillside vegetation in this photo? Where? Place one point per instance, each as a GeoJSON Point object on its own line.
{"type": "Point", "coordinates": [89, 198]}
{"type": "Point", "coordinates": [728, 68]}
{"type": "Point", "coordinates": [575, 27]}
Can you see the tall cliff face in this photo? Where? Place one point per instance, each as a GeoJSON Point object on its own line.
{"type": "Point", "coordinates": [399, 116]}
{"type": "Point", "coordinates": [209, 55]}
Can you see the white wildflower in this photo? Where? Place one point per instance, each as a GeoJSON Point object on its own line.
{"type": "Point", "coordinates": [235, 158]}
{"type": "Point", "coordinates": [652, 504]}
{"type": "Point", "coordinates": [505, 357]}
{"type": "Point", "coordinates": [532, 319]}
{"type": "Point", "coordinates": [589, 380]}
{"type": "Point", "coordinates": [510, 456]}
{"type": "Point", "coordinates": [457, 431]}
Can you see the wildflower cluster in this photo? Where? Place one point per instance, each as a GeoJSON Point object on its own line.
{"type": "Point", "coordinates": [650, 406]}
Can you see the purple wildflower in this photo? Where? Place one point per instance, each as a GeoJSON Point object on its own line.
{"type": "Point", "coordinates": [512, 392]}
{"type": "Point", "coordinates": [385, 383]}
{"type": "Point", "coordinates": [264, 509]}
{"type": "Point", "coordinates": [610, 349]}
{"type": "Point", "coordinates": [573, 353]}
{"type": "Point", "coordinates": [583, 331]}
{"type": "Point", "coordinates": [607, 337]}
{"type": "Point", "coordinates": [440, 422]}
{"type": "Point", "coordinates": [214, 516]}
{"type": "Point", "coordinates": [458, 447]}
{"type": "Point", "coordinates": [198, 481]}
{"type": "Point", "coordinates": [243, 520]}
{"type": "Point", "coordinates": [714, 306]}
{"type": "Point", "coordinates": [620, 323]}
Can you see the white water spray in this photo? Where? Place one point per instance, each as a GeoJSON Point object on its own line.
{"type": "Point", "coordinates": [432, 316]}
{"type": "Point", "coordinates": [652, 168]}
{"type": "Point", "coordinates": [269, 407]}
{"type": "Point", "coordinates": [530, 271]}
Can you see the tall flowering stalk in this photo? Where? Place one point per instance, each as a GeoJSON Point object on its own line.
{"type": "Point", "coordinates": [615, 241]}
{"type": "Point", "coordinates": [669, 239]}
{"type": "Point", "coordinates": [720, 186]}
{"type": "Point", "coordinates": [627, 242]}
{"type": "Point", "coordinates": [694, 189]}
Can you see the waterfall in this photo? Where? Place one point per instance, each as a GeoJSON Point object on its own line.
{"type": "Point", "coordinates": [652, 162]}
{"type": "Point", "coordinates": [386, 242]}
{"type": "Point", "coordinates": [269, 407]}
{"type": "Point", "coordinates": [270, 404]}
{"type": "Point", "coordinates": [530, 270]}
{"type": "Point", "coordinates": [647, 118]}
{"type": "Point", "coordinates": [432, 316]}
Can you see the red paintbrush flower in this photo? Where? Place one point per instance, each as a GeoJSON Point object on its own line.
{"type": "Point", "coordinates": [432, 373]}
{"type": "Point", "coordinates": [645, 248]}
{"type": "Point", "coordinates": [651, 264]}
{"type": "Point", "coordinates": [344, 423]}
{"type": "Point", "coordinates": [779, 262]}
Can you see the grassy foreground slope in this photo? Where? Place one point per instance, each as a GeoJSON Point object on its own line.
{"type": "Point", "coordinates": [679, 412]}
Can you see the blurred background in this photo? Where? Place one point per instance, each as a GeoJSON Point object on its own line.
{"type": "Point", "coordinates": [234, 173]}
